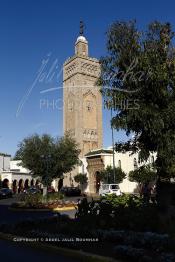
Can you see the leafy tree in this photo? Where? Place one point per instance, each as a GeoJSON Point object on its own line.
{"type": "Point", "coordinates": [81, 179]}
{"type": "Point", "coordinates": [48, 157]}
{"type": "Point", "coordinates": [107, 175]}
{"type": "Point", "coordinates": [143, 174]}
{"type": "Point", "coordinates": [138, 79]}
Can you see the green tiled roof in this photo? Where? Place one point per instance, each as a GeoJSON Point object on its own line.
{"type": "Point", "coordinates": [99, 151]}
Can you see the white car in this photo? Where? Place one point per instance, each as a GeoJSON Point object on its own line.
{"type": "Point", "coordinates": [106, 189]}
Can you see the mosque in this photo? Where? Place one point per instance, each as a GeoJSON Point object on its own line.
{"type": "Point", "coordinates": [82, 116]}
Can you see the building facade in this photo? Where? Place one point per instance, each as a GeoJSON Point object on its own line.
{"type": "Point", "coordinates": [17, 177]}
{"type": "Point", "coordinates": [82, 118]}
{"type": "Point", "coordinates": [82, 115]}
{"type": "Point", "coordinates": [98, 160]}
{"type": "Point", "coordinates": [4, 162]}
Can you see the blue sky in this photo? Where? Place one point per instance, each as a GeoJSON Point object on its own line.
{"type": "Point", "coordinates": [33, 30]}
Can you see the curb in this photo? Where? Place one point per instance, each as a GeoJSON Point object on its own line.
{"type": "Point", "coordinates": [29, 209]}
{"type": "Point", "coordinates": [63, 208]}
{"type": "Point", "coordinates": [78, 254]}
{"type": "Point", "coordinates": [41, 209]}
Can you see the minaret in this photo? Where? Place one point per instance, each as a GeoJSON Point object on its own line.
{"type": "Point", "coordinates": [82, 98]}
{"type": "Point", "coordinates": [81, 46]}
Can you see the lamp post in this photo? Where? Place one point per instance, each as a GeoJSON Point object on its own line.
{"type": "Point", "coordinates": [47, 159]}
{"type": "Point", "coordinates": [113, 150]}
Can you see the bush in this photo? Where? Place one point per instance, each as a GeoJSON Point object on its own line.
{"type": "Point", "coordinates": [82, 180]}
{"type": "Point", "coordinates": [107, 175]}
{"type": "Point", "coordinates": [148, 240]}
{"type": "Point", "coordinates": [33, 200]}
{"type": "Point", "coordinates": [143, 174]}
{"type": "Point", "coordinates": [124, 200]}
{"type": "Point", "coordinates": [54, 196]}
{"type": "Point", "coordinates": [129, 252]}
{"type": "Point", "coordinates": [119, 212]}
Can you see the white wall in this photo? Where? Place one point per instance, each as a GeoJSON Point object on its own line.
{"type": "Point", "coordinates": [1, 162]}
{"type": "Point", "coordinates": [7, 175]}
{"type": "Point", "coordinates": [14, 166]}
{"type": "Point", "coordinates": [83, 170]}
{"type": "Point", "coordinates": [11, 176]}
{"type": "Point", "coordinates": [127, 164]}
{"type": "Point", "coordinates": [83, 167]}
{"type": "Point", "coordinates": [4, 163]}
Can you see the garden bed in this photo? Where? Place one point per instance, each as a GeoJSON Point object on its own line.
{"type": "Point", "coordinates": [40, 203]}
{"type": "Point", "coordinates": [69, 233]}
{"type": "Point", "coordinates": [43, 206]}
{"type": "Point", "coordinates": [123, 227]}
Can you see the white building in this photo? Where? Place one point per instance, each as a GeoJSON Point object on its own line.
{"type": "Point", "coordinates": [15, 176]}
{"type": "Point", "coordinates": [97, 160]}
{"type": "Point", "coordinates": [4, 162]}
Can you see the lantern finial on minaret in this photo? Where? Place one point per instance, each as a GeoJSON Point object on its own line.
{"type": "Point", "coordinates": [81, 28]}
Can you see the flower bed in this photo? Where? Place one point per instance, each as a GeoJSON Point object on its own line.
{"type": "Point", "coordinates": [115, 222]}
{"type": "Point", "coordinates": [37, 201]}
{"type": "Point", "coordinates": [51, 206]}
{"type": "Point", "coordinates": [124, 245]}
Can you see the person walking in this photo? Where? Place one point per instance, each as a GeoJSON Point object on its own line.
{"type": "Point", "coordinates": [146, 193]}
{"type": "Point", "coordinates": [153, 194]}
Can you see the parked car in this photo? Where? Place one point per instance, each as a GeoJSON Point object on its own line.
{"type": "Point", "coordinates": [71, 191]}
{"type": "Point", "coordinates": [106, 189]}
{"type": "Point", "coordinates": [32, 190]}
{"type": "Point", "coordinates": [5, 193]}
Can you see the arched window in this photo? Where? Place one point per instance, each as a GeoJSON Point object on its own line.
{"type": "Point", "coordinates": [135, 163]}
{"type": "Point", "coordinates": [119, 164]}
{"type": "Point", "coordinates": [84, 49]}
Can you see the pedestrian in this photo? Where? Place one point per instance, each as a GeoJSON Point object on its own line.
{"type": "Point", "coordinates": [146, 193]}
{"type": "Point", "coordinates": [153, 194]}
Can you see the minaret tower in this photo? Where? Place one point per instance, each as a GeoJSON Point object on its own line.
{"type": "Point", "coordinates": [82, 98]}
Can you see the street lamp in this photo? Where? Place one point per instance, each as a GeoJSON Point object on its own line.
{"type": "Point", "coordinates": [113, 149]}
{"type": "Point", "coordinates": [47, 159]}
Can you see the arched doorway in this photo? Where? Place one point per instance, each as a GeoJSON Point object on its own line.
{"type": "Point", "coordinates": [37, 183]}
{"type": "Point", "coordinates": [5, 183]}
{"type": "Point", "coordinates": [14, 186]}
{"type": "Point", "coordinates": [95, 164]}
{"type": "Point", "coordinates": [20, 186]}
{"type": "Point", "coordinates": [60, 184]}
{"type": "Point", "coordinates": [26, 184]}
{"type": "Point", "coordinates": [32, 183]}
{"type": "Point", "coordinates": [97, 181]}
